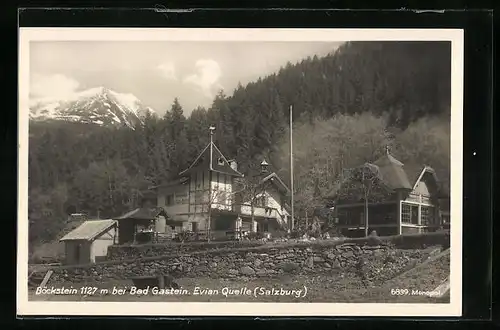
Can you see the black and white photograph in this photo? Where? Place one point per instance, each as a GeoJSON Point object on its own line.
{"type": "Point", "coordinates": [272, 168]}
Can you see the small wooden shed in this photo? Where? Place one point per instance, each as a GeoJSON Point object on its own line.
{"type": "Point", "coordinates": [140, 220]}
{"type": "Point", "coordinates": [89, 242]}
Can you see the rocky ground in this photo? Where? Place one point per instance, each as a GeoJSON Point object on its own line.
{"type": "Point", "coordinates": [410, 286]}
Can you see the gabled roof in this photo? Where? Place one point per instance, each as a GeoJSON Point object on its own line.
{"type": "Point", "coordinates": [89, 230]}
{"type": "Point", "coordinates": [401, 176]}
{"type": "Point", "coordinates": [393, 174]}
{"type": "Point", "coordinates": [276, 180]}
{"type": "Point", "coordinates": [143, 213]}
{"type": "Point", "coordinates": [211, 158]}
{"type": "Point", "coordinates": [426, 169]}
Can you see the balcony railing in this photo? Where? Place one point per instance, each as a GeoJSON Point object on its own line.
{"type": "Point", "coordinates": [260, 211]}
{"type": "Point", "coordinates": [246, 210]}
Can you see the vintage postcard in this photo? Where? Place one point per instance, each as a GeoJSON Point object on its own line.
{"type": "Point", "coordinates": [257, 172]}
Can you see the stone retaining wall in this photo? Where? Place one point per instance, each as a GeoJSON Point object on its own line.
{"type": "Point", "coordinates": [355, 257]}
{"type": "Point", "coordinates": [372, 264]}
{"type": "Point", "coordinates": [124, 252]}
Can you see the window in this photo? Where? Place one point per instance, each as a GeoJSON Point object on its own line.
{"type": "Point", "coordinates": [220, 161]}
{"type": "Point", "coordinates": [199, 197]}
{"type": "Point", "coordinates": [409, 214]}
{"type": "Point", "coordinates": [170, 200]}
{"type": "Point", "coordinates": [427, 215]}
{"type": "Point", "coordinates": [350, 217]}
{"type": "Point", "coordinates": [223, 198]}
{"type": "Point", "coordinates": [181, 198]}
{"type": "Point", "coordinates": [342, 217]}
{"type": "Point", "coordinates": [389, 218]}
{"type": "Point", "coordinates": [261, 201]}
{"type": "Point", "coordinates": [414, 214]}
{"type": "Point", "coordinates": [263, 227]}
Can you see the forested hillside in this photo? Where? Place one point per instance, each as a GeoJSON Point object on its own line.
{"type": "Point", "coordinates": [347, 107]}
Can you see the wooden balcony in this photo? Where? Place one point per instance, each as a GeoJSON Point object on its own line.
{"type": "Point", "coordinates": [260, 211]}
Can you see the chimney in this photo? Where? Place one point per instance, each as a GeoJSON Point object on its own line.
{"type": "Point", "coordinates": [77, 217]}
{"type": "Point", "coordinates": [233, 164]}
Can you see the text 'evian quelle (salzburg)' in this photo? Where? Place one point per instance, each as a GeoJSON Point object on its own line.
{"type": "Point", "coordinates": [196, 291]}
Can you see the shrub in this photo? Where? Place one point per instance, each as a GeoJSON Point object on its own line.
{"type": "Point", "coordinates": [297, 233]}
{"type": "Point", "coordinates": [314, 232]}
{"type": "Point", "coordinates": [186, 236]}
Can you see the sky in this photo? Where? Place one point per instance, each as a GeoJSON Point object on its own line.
{"type": "Point", "coordinates": [157, 71]}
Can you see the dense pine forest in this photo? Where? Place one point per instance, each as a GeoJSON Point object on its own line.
{"type": "Point", "coordinates": [347, 107]}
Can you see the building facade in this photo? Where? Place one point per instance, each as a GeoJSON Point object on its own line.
{"type": "Point", "coordinates": [398, 199]}
{"type": "Point", "coordinates": [211, 195]}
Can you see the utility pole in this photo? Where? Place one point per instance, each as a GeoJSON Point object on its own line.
{"type": "Point", "coordinates": [365, 189]}
{"type": "Point", "coordinates": [209, 208]}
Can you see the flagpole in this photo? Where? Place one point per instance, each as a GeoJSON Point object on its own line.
{"type": "Point", "coordinates": [291, 166]}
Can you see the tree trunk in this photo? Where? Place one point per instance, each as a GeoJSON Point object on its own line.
{"type": "Point", "coordinates": [209, 229]}
{"type": "Point", "coordinates": [366, 216]}
{"type": "Point", "coordinates": [307, 220]}
{"type": "Point", "coordinates": [254, 227]}
{"type": "Point", "coordinates": [365, 191]}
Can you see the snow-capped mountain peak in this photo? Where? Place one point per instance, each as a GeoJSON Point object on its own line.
{"type": "Point", "coordinates": [98, 105]}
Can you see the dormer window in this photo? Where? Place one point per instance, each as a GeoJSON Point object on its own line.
{"type": "Point", "coordinates": [220, 161]}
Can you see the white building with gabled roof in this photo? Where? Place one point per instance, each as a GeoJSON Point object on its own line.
{"type": "Point", "coordinates": [211, 195]}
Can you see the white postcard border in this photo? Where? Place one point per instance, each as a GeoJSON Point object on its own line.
{"type": "Point", "coordinates": [33, 308]}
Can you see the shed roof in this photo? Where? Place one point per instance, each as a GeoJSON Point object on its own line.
{"type": "Point", "coordinates": [142, 213]}
{"type": "Point", "coordinates": [89, 230]}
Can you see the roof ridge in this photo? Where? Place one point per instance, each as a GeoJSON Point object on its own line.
{"type": "Point", "coordinates": [387, 157]}
{"type": "Point", "coordinates": [395, 160]}
{"type": "Point", "coordinates": [103, 225]}
{"type": "Point", "coordinates": [196, 159]}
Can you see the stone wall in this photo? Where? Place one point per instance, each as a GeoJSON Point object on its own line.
{"type": "Point", "coordinates": [126, 252]}
{"type": "Point", "coordinates": [129, 252]}
{"type": "Point", "coordinates": [372, 264]}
